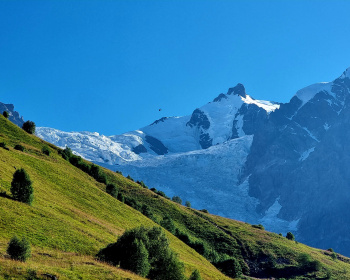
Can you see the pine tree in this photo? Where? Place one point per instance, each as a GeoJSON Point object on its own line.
{"type": "Point", "coordinates": [21, 187]}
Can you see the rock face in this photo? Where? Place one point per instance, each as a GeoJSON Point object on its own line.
{"type": "Point", "coordinates": [282, 165]}
{"type": "Point", "coordinates": [13, 115]}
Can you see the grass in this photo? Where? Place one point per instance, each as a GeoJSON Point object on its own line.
{"type": "Point", "coordinates": [72, 217]}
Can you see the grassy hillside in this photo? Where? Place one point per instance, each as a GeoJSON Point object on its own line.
{"type": "Point", "coordinates": [72, 217]}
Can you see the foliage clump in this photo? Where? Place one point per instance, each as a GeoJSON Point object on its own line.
{"type": "Point", "coordinates": [5, 114]}
{"type": "Point", "coordinates": [259, 226]}
{"type": "Point", "coordinates": [29, 127]}
{"type": "Point", "coordinates": [21, 187]}
{"type": "Point", "coordinates": [19, 249]}
{"type": "Point", "coordinates": [177, 199]}
{"type": "Point", "coordinates": [146, 252]}
{"type": "Point", "coordinates": [45, 150]}
{"type": "Point", "coordinates": [112, 190]}
{"type": "Point", "coordinates": [4, 146]}
{"type": "Point", "coordinates": [188, 204]}
{"type": "Point", "coordinates": [19, 147]}
{"type": "Point", "coordinates": [195, 275]}
{"type": "Point", "coordinates": [290, 236]}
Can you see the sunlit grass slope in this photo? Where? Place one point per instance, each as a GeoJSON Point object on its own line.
{"type": "Point", "coordinates": [71, 218]}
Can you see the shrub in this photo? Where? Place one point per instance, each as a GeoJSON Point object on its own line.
{"type": "Point", "coordinates": [98, 174]}
{"type": "Point", "coordinates": [162, 262]}
{"type": "Point", "coordinates": [259, 226]}
{"type": "Point", "coordinates": [195, 275]}
{"type": "Point", "coordinates": [45, 150]}
{"type": "Point", "coordinates": [21, 187]}
{"type": "Point", "coordinates": [5, 114]}
{"type": "Point", "coordinates": [188, 204]}
{"type": "Point", "coordinates": [177, 199]}
{"type": "Point", "coordinates": [19, 148]}
{"type": "Point", "coordinates": [112, 190]}
{"type": "Point", "coordinates": [18, 249]}
{"type": "Point", "coordinates": [307, 264]}
{"type": "Point", "coordinates": [118, 172]}
{"type": "Point", "coordinates": [66, 153]}
{"type": "Point", "coordinates": [142, 184]}
{"type": "Point", "coordinates": [133, 203]}
{"type": "Point", "coordinates": [231, 267]}
{"type": "Point", "coordinates": [146, 210]}
{"type": "Point", "coordinates": [129, 177]}
{"type": "Point", "coordinates": [290, 236]}
{"type": "Point", "coordinates": [204, 211]}
{"type": "Point", "coordinates": [29, 127]}
{"type": "Point", "coordinates": [168, 224]}
{"type": "Point", "coordinates": [120, 197]}
{"type": "Point", "coordinates": [3, 145]}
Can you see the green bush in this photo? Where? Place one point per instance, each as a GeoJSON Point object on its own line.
{"type": "Point", "coordinates": [18, 249]}
{"type": "Point", "coordinates": [21, 187]}
{"type": "Point", "coordinates": [195, 275]}
{"type": "Point", "coordinates": [112, 190]}
{"type": "Point", "coordinates": [129, 177]}
{"type": "Point", "coordinates": [4, 146]}
{"type": "Point", "coordinates": [132, 248]}
{"type": "Point", "coordinates": [120, 197]}
{"type": "Point", "coordinates": [307, 264]}
{"type": "Point", "coordinates": [98, 174]}
{"type": "Point", "coordinates": [19, 148]}
{"type": "Point", "coordinates": [45, 150]}
{"type": "Point", "coordinates": [290, 236]}
{"type": "Point", "coordinates": [168, 224]}
{"type": "Point", "coordinates": [29, 127]}
{"type": "Point", "coordinates": [146, 210]}
{"type": "Point", "coordinates": [231, 267]}
{"type": "Point", "coordinates": [204, 211]}
{"type": "Point", "coordinates": [259, 226]}
{"type": "Point", "coordinates": [177, 199]}
{"type": "Point", "coordinates": [188, 204]}
{"type": "Point", "coordinates": [5, 114]}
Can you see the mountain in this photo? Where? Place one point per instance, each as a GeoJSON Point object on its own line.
{"type": "Point", "coordinates": [281, 165]}
{"type": "Point", "coordinates": [73, 216]}
{"type": "Point", "coordinates": [13, 115]}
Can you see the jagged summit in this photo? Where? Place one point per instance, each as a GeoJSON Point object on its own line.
{"type": "Point", "coordinates": [237, 90]}
{"type": "Point", "coordinates": [13, 115]}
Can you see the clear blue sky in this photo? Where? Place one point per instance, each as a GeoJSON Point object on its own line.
{"type": "Point", "coordinates": [108, 66]}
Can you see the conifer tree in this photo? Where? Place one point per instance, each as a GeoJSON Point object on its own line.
{"type": "Point", "coordinates": [21, 187]}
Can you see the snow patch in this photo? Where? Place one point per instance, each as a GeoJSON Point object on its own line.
{"type": "Point", "coordinates": [306, 154]}
{"type": "Point", "coordinates": [326, 126]}
{"type": "Point", "coordinates": [266, 105]}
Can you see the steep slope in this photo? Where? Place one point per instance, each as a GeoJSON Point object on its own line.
{"type": "Point", "coordinates": [72, 216]}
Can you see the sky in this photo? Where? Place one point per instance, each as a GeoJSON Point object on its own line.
{"type": "Point", "coordinates": [109, 66]}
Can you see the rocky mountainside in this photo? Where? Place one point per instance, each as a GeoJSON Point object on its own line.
{"type": "Point", "coordinates": [282, 165]}
{"type": "Point", "coordinates": [13, 115]}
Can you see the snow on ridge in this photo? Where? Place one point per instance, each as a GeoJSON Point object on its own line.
{"type": "Point", "coordinates": [266, 105]}
{"type": "Point", "coordinates": [307, 93]}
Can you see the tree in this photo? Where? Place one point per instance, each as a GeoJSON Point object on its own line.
{"type": "Point", "coordinates": [21, 187]}
{"type": "Point", "coordinates": [188, 204]}
{"type": "Point", "coordinates": [231, 267]}
{"type": "Point", "coordinates": [177, 199]}
{"type": "Point", "coordinates": [45, 150]}
{"type": "Point", "coordinates": [163, 263]}
{"type": "Point", "coordinates": [5, 114]}
{"type": "Point", "coordinates": [136, 259]}
{"type": "Point", "coordinates": [290, 236]}
{"type": "Point", "coordinates": [168, 224]}
{"type": "Point", "coordinates": [195, 275]}
{"type": "Point", "coordinates": [18, 249]}
{"type": "Point", "coordinates": [112, 190]}
{"type": "Point", "coordinates": [29, 127]}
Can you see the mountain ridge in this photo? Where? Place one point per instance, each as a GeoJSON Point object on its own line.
{"type": "Point", "coordinates": [278, 158]}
